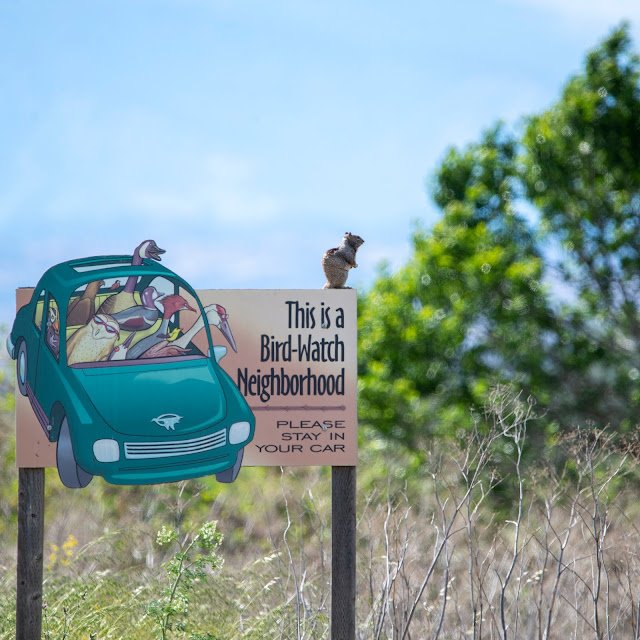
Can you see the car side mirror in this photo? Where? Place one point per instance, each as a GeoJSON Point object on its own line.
{"type": "Point", "coordinates": [219, 352]}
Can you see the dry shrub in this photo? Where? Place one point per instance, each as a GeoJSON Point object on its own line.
{"type": "Point", "coordinates": [438, 556]}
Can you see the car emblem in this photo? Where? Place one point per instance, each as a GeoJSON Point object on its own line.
{"type": "Point", "coordinates": [167, 420]}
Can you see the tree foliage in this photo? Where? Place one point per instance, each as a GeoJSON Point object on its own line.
{"type": "Point", "coordinates": [480, 301]}
{"type": "Point", "coordinates": [583, 175]}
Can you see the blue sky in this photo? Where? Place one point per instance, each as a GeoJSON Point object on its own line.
{"type": "Point", "coordinates": [247, 137]}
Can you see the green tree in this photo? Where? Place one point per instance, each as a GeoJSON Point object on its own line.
{"type": "Point", "coordinates": [583, 174]}
{"type": "Point", "coordinates": [468, 310]}
{"type": "Point", "coordinates": [479, 302]}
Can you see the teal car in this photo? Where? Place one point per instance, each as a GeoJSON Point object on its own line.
{"type": "Point", "coordinates": [167, 414]}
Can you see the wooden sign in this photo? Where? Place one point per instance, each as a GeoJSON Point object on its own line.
{"type": "Point", "coordinates": [125, 371]}
{"type": "Point", "coordinates": [296, 366]}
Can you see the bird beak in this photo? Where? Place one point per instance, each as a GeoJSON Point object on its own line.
{"type": "Point", "coordinates": [115, 285]}
{"type": "Point", "coordinates": [155, 252]}
{"type": "Point", "coordinates": [188, 307]}
{"type": "Point", "coordinates": [127, 343]}
{"type": "Point", "coordinates": [56, 326]}
{"type": "Point", "coordinates": [226, 332]}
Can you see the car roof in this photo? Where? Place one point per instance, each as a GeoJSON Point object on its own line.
{"type": "Point", "coordinates": [68, 276]}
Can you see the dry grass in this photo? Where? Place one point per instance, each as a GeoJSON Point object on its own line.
{"type": "Point", "coordinates": [438, 557]}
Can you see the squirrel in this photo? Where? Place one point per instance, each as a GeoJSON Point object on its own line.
{"type": "Point", "coordinates": [337, 262]}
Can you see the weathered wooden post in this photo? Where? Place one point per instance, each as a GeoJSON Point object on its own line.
{"type": "Point", "coordinates": [336, 264]}
{"type": "Point", "coordinates": [343, 553]}
{"type": "Point", "coordinates": [30, 553]}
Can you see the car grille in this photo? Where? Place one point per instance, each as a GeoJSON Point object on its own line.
{"type": "Point", "coordinates": [168, 448]}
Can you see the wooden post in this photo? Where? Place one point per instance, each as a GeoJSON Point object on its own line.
{"type": "Point", "coordinates": [343, 553]}
{"type": "Point", "coordinates": [30, 554]}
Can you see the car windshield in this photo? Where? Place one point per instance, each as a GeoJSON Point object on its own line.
{"type": "Point", "coordinates": [135, 319]}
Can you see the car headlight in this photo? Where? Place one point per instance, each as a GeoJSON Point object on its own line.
{"type": "Point", "coordinates": [106, 450]}
{"type": "Point", "coordinates": [239, 432]}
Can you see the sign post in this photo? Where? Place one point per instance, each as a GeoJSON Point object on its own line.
{"type": "Point", "coordinates": [30, 553]}
{"type": "Point", "coordinates": [210, 380]}
{"type": "Point", "coordinates": [343, 553]}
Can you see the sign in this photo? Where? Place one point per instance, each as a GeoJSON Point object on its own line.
{"type": "Point", "coordinates": [287, 366]}
{"type": "Point", "coordinates": [296, 366]}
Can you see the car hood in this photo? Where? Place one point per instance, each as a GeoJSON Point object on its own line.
{"type": "Point", "coordinates": [156, 400]}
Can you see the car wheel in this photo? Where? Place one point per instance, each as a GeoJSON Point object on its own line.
{"type": "Point", "coordinates": [70, 473]}
{"type": "Point", "coordinates": [230, 474]}
{"type": "Point", "coordinates": [21, 368]}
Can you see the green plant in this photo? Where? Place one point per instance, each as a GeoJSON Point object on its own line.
{"type": "Point", "coordinates": [65, 623]}
{"type": "Point", "coordinates": [189, 565]}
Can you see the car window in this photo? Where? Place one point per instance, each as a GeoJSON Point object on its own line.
{"type": "Point", "coordinates": [136, 319]}
{"type": "Point", "coordinates": [52, 333]}
{"type": "Point", "coordinates": [39, 310]}
{"type": "Point", "coordinates": [97, 265]}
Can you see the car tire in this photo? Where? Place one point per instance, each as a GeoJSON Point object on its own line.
{"type": "Point", "coordinates": [21, 368]}
{"type": "Point", "coordinates": [70, 473]}
{"type": "Point", "coordinates": [230, 474]}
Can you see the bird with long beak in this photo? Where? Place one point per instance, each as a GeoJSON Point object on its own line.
{"type": "Point", "coordinates": [120, 352]}
{"type": "Point", "coordinates": [217, 316]}
{"type": "Point", "coordinates": [171, 304]}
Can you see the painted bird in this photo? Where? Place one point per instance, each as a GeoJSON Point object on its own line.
{"type": "Point", "coordinates": [141, 316]}
{"type": "Point", "coordinates": [217, 316]}
{"type": "Point", "coordinates": [93, 342]}
{"type": "Point", "coordinates": [124, 299]}
{"type": "Point", "coordinates": [164, 349]}
{"type": "Point", "coordinates": [120, 352]}
{"type": "Point", "coordinates": [52, 334]}
{"type": "Point", "coordinates": [81, 310]}
{"type": "Point", "coordinates": [172, 304]}
{"type": "Point", "coordinates": [173, 335]}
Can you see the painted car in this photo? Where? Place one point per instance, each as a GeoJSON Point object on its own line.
{"type": "Point", "coordinates": [132, 421]}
